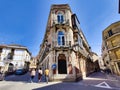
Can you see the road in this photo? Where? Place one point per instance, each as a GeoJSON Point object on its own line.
{"type": "Point", "coordinates": [96, 81]}
{"type": "Point", "coordinates": [102, 80]}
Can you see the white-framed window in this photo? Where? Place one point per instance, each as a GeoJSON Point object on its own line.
{"type": "Point", "coordinates": [61, 38]}
{"type": "Point", "coordinates": [60, 17]}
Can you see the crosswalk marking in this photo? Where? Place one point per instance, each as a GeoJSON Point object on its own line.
{"type": "Point", "coordinates": [103, 85]}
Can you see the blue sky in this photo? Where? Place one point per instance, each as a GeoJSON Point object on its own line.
{"type": "Point", "coordinates": [24, 21]}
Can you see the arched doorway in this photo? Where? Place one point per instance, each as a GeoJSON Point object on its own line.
{"type": "Point", "coordinates": [62, 64]}
{"type": "Point", "coordinates": [11, 68]}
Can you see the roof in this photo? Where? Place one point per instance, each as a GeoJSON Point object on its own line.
{"type": "Point", "coordinates": [60, 6]}
{"type": "Point", "coordinates": [111, 25]}
{"type": "Point", "coordinates": [15, 46]}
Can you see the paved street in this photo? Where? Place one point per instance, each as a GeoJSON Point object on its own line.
{"type": "Point", "coordinates": [43, 86]}
{"type": "Point", "coordinates": [100, 79]}
{"type": "Point", "coordinates": [96, 81]}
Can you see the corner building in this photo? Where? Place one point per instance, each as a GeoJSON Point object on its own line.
{"type": "Point", "coordinates": [65, 50]}
{"type": "Point", "coordinates": [111, 47]}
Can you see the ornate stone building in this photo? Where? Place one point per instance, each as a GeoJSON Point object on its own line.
{"type": "Point", "coordinates": [65, 50]}
{"type": "Point", "coordinates": [111, 47]}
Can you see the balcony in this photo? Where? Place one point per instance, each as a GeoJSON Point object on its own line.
{"type": "Point", "coordinates": [78, 49]}
{"type": "Point", "coordinates": [116, 45]}
{"type": "Point", "coordinates": [66, 44]}
{"type": "Point", "coordinates": [107, 37]}
{"type": "Point", "coordinates": [66, 22]}
{"type": "Point", "coordinates": [44, 53]}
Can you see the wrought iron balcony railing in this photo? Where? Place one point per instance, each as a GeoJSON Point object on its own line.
{"type": "Point", "coordinates": [54, 22]}
{"type": "Point", "coordinates": [66, 44]}
{"type": "Point", "coordinates": [78, 49]}
{"type": "Point", "coordinates": [113, 34]}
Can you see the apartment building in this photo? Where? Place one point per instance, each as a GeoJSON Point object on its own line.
{"type": "Point", "coordinates": [111, 47]}
{"type": "Point", "coordinates": [65, 50]}
{"type": "Point", "coordinates": [14, 57]}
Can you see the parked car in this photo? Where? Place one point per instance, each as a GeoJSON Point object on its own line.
{"type": "Point", "coordinates": [20, 71]}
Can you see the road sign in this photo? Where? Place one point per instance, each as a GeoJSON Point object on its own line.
{"type": "Point", "coordinates": [54, 66]}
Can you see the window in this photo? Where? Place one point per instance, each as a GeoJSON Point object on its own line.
{"type": "Point", "coordinates": [110, 33]}
{"type": "Point", "coordinates": [12, 51]}
{"type": "Point", "coordinates": [60, 18]}
{"type": "Point", "coordinates": [61, 39]}
{"type": "Point", "coordinates": [9, 56]}
{"type": "Point", "coordinates": [0, 50]}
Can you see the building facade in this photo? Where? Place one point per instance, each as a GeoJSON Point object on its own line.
{"type": "Point", "coordinates": [65, 50]}
{"type": "Point", "coordinates": [111, 47]}
{"type": "Point", "coordinates": [14, 57]}
{"type": "Point", "coordinates": [33, 63]}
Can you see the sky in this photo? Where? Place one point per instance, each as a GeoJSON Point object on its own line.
{"type": "Point", "coordinates": [24, 21]}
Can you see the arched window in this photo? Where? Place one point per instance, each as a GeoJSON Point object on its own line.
{"type": "Point", "coordinates": [61, 38]}
{"type": "Point", "coordinates": [60, 18]}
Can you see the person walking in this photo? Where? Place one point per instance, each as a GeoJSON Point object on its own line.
{"type": "Point", "coordinates": [33, 73]}
{"type": "Point", "coordinates": [47, 74]}
{"type": "Point", "coordinates": [40, 74]}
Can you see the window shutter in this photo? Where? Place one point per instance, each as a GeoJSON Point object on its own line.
{"type": "Point", "coordinates": [62, 19]}
{"type": "Point", "coordinates": [63, 41]}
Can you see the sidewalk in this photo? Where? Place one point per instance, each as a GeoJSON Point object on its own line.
{"type": "Point", "coordinates": [10, 85]}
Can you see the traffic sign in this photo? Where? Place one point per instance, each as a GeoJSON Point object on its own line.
{"type": "Point", "coordinates": [54, 66]}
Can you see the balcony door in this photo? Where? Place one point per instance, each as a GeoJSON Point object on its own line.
{"type": "Point", "coordinates": [60, 17]}
{"type": "Point", "coordinates": [61, 38]}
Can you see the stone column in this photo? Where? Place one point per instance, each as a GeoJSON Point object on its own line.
{"type": "Point", "coordinates": [83, 68]}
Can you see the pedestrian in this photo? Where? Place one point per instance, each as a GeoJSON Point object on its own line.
{"type": "Point", "coordinates": [47, 74]}
{"type": "Point", "coordinates": [108, 71]}
{"type": "Point", "coordinates": [39, 74]}
{"type": "Point", "coordinates": [0, 70]}
{"type": "Point", "coordinates": [33, 73]}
